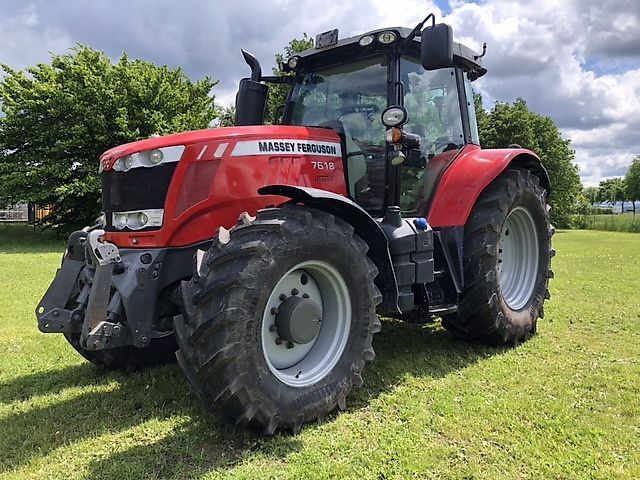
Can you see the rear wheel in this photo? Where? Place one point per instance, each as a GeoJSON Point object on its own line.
{"type": "Point", "coordinates": [279, 319]}
{"type": "Point", "coordinates": [507, 253]}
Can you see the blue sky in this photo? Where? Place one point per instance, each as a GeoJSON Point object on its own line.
{"type": "Point", "coordinates": [577, 61]}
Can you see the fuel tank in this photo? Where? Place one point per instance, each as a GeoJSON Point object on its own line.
{"type": "Point", "coordinates": [211, 181]}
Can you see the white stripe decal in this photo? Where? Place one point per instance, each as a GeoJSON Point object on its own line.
{"type": "Point", "coordinates": [220, 150]}
{"type": "Point", "coordinates": [287, 146]}
{"type": "Point", "coordinates": [200, 155]}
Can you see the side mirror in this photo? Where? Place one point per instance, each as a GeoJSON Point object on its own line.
{"type": "Point", "coordinates": [251, 102]}
{"type": "Point", "coordinates": [437, 46]}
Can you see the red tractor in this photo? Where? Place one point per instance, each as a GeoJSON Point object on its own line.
{"type": "Point", "coordinates": [268, 252]}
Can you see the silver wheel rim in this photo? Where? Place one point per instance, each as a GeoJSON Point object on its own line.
{"type": "Point", "coordinates": [518, 258]}
{"type": "Point", "coordinates": [306, 364]}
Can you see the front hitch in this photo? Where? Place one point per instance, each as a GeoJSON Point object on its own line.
{"type": "Point", "coordinates": [85, 276]}
{"type": "Point", "coordinates": [96, 330]}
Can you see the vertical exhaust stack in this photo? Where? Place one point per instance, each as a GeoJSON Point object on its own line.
{"type": "Point", "coordinates": [251, 100]}
{"type": "Point", "coordinates": [256, 69]}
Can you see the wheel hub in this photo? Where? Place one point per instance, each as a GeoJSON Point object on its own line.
{"type": "Point", "coordinates": [306, 323]}
{"type": "Point", "coordinates": [518, 254]}
{"type": "Point", "coordinates": [298, 320]}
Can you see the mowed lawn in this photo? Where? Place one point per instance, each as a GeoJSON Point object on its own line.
{"type": "Point", "coordinates": [564, 405]}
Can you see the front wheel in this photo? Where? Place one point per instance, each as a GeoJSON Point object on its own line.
{"type": "Point", "coordinates": [278, 319]}
{"type": "Point", "coordinates": [507, 254]}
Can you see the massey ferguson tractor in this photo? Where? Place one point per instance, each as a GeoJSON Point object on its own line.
{"type": "Point", "coordinates": [267, 253]}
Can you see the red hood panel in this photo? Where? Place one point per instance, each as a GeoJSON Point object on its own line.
{"type": "Point", "coordinates": [221, 171]}
{"type": "Point", "coordinates": [266, 132]}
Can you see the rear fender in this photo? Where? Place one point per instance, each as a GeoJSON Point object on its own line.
{"type": "Point", "coordinates": [464, 181]}
{"type": "Point", "coordinates": [363, 224]}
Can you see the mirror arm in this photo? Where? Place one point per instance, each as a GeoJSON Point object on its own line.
{"type": "Point", "coordinates": [279, 80]}
{"type": "Point", "coordinates": [416, 32]}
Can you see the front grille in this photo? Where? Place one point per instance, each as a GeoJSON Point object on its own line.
{"type": "Point", "coordinates": [137, 189]}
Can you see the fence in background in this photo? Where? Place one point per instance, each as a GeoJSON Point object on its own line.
{"type": "Point", "coordinates": [27, 213]}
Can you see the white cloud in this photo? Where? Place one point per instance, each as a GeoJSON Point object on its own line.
{"type": "Point", "coordinates": [538, 51]}
{"type": "Point", "coordinates": [577, 61]}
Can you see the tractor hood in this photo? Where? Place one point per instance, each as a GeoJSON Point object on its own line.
{"type": "Point", "coordinates": [293, 140]}
{"type": "Point", "coordinates": [168, 191]}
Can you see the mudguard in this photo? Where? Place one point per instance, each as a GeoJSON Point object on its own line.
{"type": "Point", "coordinates": [364, 225]}
{"type": "Point", "coordinates": [466, 178]}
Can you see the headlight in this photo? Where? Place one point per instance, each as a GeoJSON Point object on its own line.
{"type": "Point", "coordinates": [366, 40]}
{"type": "Point", "coordinates": [137, 219]}
{"type": "Point", "coordinates": [126, 162]}
{"type": "Point", "coordinates": [149, 158]}
{"type": "Point", "coordinates": [293, 63]}
{"type": "Point", "coordinates": [155, 156]}
{"type": "Point", "coordinates": [394, 116]}
{"type": "Point", "coordinates": [120, 220]}
{"type": "Point", "coordinates": [387, 37]}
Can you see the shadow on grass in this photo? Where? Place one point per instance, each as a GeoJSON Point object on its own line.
{"type": "Point", "coordinates": [202, 443]}
{"type": "Point", "coordinates": [51, 382]}
{"type": "Point", "coordinates": [420, 351]}
{"type": "Point", "coordinates": [156, 394]}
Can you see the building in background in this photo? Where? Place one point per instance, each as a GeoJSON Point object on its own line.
{"type": "Point", "coordinates": [23, 212]}
{"type": "Point", "coordinates": [15, 213]}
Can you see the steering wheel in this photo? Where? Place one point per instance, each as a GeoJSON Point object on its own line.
{"type": "Point", "coordinates": [368, 109]}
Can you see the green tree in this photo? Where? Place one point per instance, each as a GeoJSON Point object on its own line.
{"type": "Point", "coordinates": [591, 194]}
{"type": "Point", "coordinates": [60, 117]}
{"type": "Point", "coordinates": [278, 93]}
{"type": "Point", "coordinates": [612, 190]}
{"type": "Point", "coordinates": [226, 116]}
{"type": "Point", "coordinates": [632, 182]}
{"type": "Point", "coordinates": [508, 124]}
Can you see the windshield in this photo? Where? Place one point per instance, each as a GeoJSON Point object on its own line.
{"type": "Point", "coordinates": [350, 98]}
{"type": "Point", "coordinates": [431, 98]}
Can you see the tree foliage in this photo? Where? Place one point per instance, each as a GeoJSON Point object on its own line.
{"type": "Point", "coordinates": [508, 124]}
{"type": "Point", "coordinates": [632, 182]}
{"type": "Point", "coordinates": [226, 116]}
{"type": "Point", "coordinates": [60, 117]}
{"type": "Point", "coordinates": [278, 93]}
{"type": "Point", "coordinates": [612, 190]}
{"type": "Point", "coordinates": [591, 194]}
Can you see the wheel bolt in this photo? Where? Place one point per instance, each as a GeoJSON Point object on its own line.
{"type": "Point", "coordinates": [305, 295]}
{"type": "Point", "coordinates": [274, 310]}
{"type": "Point", "coordinates": [290, 345]}
{"type": "Point", "coordinates": [294, 291]}
{"type": "Point", "coordinates": [279, 341]}
{"type": "Point", "coordinates": [282, 297]}
{"type": "Point", "coordinates": [272, 328]}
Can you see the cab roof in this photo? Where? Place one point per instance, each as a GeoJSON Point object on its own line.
{"type": "Point", "coordinates": [349, 48]}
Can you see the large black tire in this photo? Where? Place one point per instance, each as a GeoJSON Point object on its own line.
{"type": "Point", "coordinates": [129, 358]}
{"type": "Point", "coordinates": [505, 287]}
{"type": "Point", "coordinates": [224, 350]}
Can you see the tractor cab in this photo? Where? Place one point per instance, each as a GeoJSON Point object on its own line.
{"type": "Point", "coordinates": [421, 80]}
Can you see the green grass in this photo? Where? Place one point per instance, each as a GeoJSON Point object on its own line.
{"type": "Point", "coordinates": [564, 405]}
{"type": "Point", "coordinates": [612, 223]}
